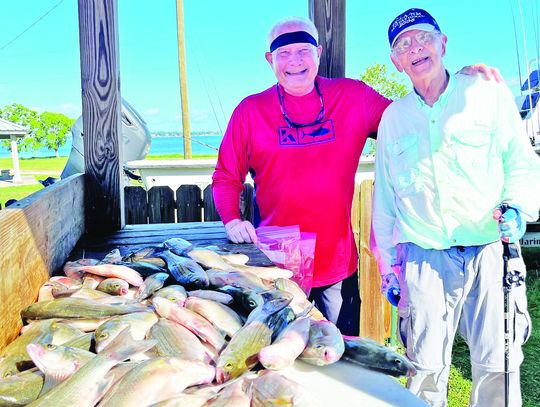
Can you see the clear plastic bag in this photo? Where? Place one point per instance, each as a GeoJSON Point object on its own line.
{"type": "Point", "coordinates": [289, 248]}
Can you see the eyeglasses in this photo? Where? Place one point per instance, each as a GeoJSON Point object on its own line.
{"type": "Point", "coordinates": [290, 123]}
{"type": "Point", "coordinates": [422, 37]}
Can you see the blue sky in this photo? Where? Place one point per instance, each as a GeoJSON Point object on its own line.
{"type": "Point", "coordinates": [225, 45]}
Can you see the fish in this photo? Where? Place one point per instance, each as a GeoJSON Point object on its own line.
{"type": "Point", "coordinates": [325, 345]}
{"type": "Point", "coordinates": [139, 324]}
{"type": "Point", "coordinates": [241, 352]}
{"type": "Point", "coordinates": [245, 300]}
{"type": "Point", "coordinates": [178, 246]}
{"type": "Point", "coordinates": [77, 308]}
{"type": "Point", "coordinates": [150, 285]}
{"type": "Point", "coordinates": [57, 362]}
{"type": "Point", "coordinates": [91, 281]}
{"type": "Point", "coordinates": [235, 258]}
{"type": "Point", "coordinates": [145, 268]}
{"type": "Point", "coordinates": [73, 269]}
{"type": "Point", "coordinates": [189, 319]}
{"type": "Point", "coordinates": [266, 273]}
{"type": "Point", "coordinates": [183, 269]}
{"type": "Point", "coordinates": [113, 286]}
{"type": "Point", "coordinates": [21, 388]}
{"type": "Point", "coordinates": [290, 343]}
{"type": "Point", "coordinates": [174, 340]}
{"type": "Point", "coordinates": [86, 293]}
{"type": "Point", "coordinates": [212, 295]}
{"type": "Point", "coordinates": [244, 280]}
{"type": "Point", "coordinates": [209, 259]}
{"type": "Point", "coordinates": [145, 255]}
{"type": "Point", "coordinates": [112, 257]}
{"type": "Point", "coordinates": [300, 302]}
{"type": "Point", "coordinates": [374, 356]}
{"type": "Point", "coordinates": [14, 357]}
{"type": "Point", "coordinates": [221, 316]}
{"type": "Point", "coordinates": [273, 389]}
{"type": "Point", "coordinates": [87, 385]}
{"type": "Point", "coordinates": [231, 395]}
{"type": "Point", "coordinates": [65, 281]}
{"type": "Point", "coordinates": [115, 270]}
{"type": "Point", "coordinates": [174, 293]}
{"type": "Point", "coordinates": [156, 380]}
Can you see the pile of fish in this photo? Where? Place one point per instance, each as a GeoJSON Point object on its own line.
{"type": "Point", "coordinates": [174, 325]}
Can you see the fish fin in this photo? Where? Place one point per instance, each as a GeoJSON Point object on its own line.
{"type": "Point", "coordinates": [49, 382]}
{"type": "Point", "coordinates": [124, 346]}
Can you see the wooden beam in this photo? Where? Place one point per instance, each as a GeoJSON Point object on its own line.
{"type": "Point", "coordinates": [329, 18]}
{"type": "Point", "coordinates": [101, 111]}
{"type": "Point", "coordinates": [36, 235]}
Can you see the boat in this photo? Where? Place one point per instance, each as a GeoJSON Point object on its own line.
{"type": "Point", "coordinates": [528, 105]}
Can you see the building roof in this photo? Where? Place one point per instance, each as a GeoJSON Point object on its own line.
{"type": "Point", "coordinates": [8, 129]}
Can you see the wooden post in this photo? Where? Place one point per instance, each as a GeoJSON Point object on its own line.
{"type": "Point", "coordinates": [329, 18]}
{"type": "Point", "coordinates": [183, 80]}
{"type": "Point", "coordinates": [375, 311]}
{"type": "Point", "coordinates": [15, 158]}
{"type": "Point", "coordinates": [100, 83]}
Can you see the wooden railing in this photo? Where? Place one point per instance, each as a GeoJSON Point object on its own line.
{"type": "Point", "coordinates": [187, 204]}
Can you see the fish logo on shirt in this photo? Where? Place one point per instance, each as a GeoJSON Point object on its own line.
{"type": "Point", "coordinates": [301, 136]}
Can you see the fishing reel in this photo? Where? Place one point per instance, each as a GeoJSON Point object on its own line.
{"type": "Point", "coordinates": [513, 279]}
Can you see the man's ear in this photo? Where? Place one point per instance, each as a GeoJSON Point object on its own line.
{"type": "Point", "coordinates": [319, 51]}
{"type": "Point", "coordinates": [444, 38]}
{"type": "Point", "coordinates": [396, 62]}
{"type": "Point", "coordinates": [268, 56]}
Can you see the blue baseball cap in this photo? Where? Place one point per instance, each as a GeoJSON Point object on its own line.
{"type": "Point", "coordinates": [412, 19]}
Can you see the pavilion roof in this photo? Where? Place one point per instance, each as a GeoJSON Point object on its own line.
{"type": "Point", "coordinates": [8, 129]}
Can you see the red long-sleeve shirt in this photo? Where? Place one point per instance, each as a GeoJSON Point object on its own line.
{"type": "Point", "coordinates": [302, 176]}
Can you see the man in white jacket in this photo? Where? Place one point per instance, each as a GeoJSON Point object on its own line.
{"type": "Point", "coordinates": [449, 154]}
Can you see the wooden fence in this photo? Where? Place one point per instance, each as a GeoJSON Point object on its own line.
{"type": "Point", "coordinates": [187, 204]}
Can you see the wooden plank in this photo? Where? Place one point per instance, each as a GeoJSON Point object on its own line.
{"type": "Point", "coordinates": [372, 315]}
{"type": "Point", "coordinates": [135, 204]}
{"type": "Point", "coordinates": [160, 205]}
{"type": "Point", "coordinates": [100, 83]}
{"type": "Point", "coordinates": [329, 18]}
{"type": "Point", "coordinates": [189, 203]}
{"type": "Point", "coordinates": [355, 222]}
{"type": "Point", "coordinates": [37, 234]}
{"type": "Point", "coordinates": [210, 212]}
{"type": "Point", "coordinates": [246, 202]}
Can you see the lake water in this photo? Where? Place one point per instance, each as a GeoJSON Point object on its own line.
{"type": "Point", "coordinates": [160, 145]}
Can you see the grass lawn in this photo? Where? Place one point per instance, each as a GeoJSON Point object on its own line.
{"type": "Point", "coordinates": [42, 168]}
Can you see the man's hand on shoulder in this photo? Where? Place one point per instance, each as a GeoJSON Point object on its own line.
{"type": "Point", "coordinates": [488, 72]}
{"type": "Point", "coordinates": [240, 231]}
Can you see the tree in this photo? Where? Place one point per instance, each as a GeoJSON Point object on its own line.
{"type": "Point", "coordinates": [53, 130]}
{"type": "Point", "coordinates": [17, 113]}
{"type": "Point", "coordinates": [388, 85]}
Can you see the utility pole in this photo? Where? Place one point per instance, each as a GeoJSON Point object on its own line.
{"type": "Point", "coordinates": [183, 80]}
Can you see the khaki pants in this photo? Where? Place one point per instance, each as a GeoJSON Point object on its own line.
{"type": "Point", "coordinates": [460, 290]}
